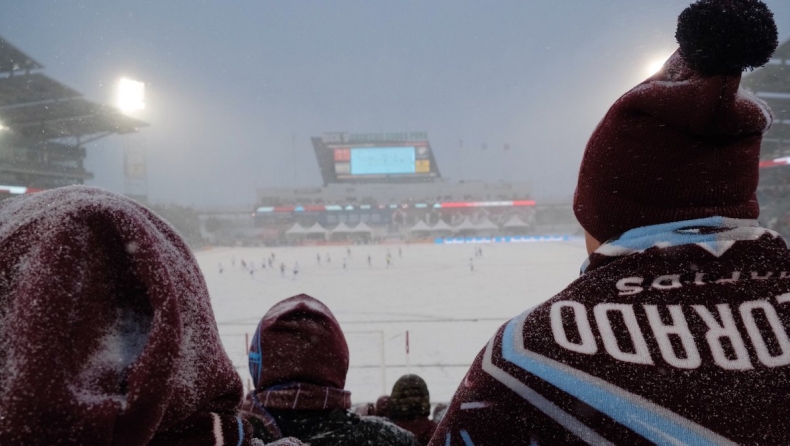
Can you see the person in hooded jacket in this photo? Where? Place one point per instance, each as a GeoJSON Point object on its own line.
{"type": "Point", "coordinates": [676, 332]}
{"type": "Point", "coordinates": [298, 361]}
{"type": "Point", "coordinates": [107, 335]}
{"type": "Point", "coordinates": [410, 405]}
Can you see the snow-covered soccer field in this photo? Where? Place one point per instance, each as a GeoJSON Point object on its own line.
{"type": "Point", "coordinates": [449, 311]}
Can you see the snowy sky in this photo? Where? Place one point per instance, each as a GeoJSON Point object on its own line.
{"type": "Point", "coordinates": [235, 89]}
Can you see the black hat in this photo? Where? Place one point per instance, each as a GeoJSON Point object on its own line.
{"type": "Point", "coordinates": [410, 398]}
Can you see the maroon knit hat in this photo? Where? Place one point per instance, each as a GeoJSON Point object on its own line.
{"type": "Point", "coordinates": [107, 335]}
{"type": "Point", "coordinates": [685, 143]}
{"type": "Point", "coordinates": [299, 341]}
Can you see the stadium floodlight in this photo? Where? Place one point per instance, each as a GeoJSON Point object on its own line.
{"type": "Point", "coordinates": [655, 65]}
{"type": "Point", "coordinates": [130, 95]}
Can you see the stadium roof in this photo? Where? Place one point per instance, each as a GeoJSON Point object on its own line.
{"type": "Point", "coordinates": [61, 119]}
{"type": "Point", "coordinates": [34, 107]}
{"type": "Point", "coordinates": [34, 87]}
{"type": "Point", "coordinates": [11, 59]}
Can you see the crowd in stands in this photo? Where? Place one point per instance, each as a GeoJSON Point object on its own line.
{"type": "Point", "coordinates": [675, 332]}
{"type": "Point", "coordinates": [299, 361]}
{"type": "Point", "coordinates": [108, 336]}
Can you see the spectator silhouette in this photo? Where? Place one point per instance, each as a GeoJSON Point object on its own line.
{"type": "Point", "coordinates": [410, 405]}
{"type": "Point", "coordinates": [298, 361]}
{"type": "Point", "coordinates": [639, 349]}
{"type": "Point", "coordinates": [382, 408]}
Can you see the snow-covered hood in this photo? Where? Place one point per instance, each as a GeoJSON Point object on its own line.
{"type": "Point", "coordinates": [106, 329]}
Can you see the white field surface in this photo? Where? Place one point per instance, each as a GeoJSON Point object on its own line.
{"type": "Point", "coordinates": [449, 311]}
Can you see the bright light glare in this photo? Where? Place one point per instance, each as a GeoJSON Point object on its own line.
{"type": "Point", "coordinates": [655, 65]}
{"type": "Point", "coordinates": [130, 95]}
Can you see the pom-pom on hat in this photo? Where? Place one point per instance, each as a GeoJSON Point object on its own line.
{"type": "Point", "coordinates": [685, 143]}
{"type": "Point", "coordinates": [726, 36]}
{"type": "Point", "coordinates": [299, 341]}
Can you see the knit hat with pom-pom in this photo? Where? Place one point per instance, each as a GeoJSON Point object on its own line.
{"type": "Point", "coordinates": [685, 143]}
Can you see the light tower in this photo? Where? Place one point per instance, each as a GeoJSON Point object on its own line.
{"type": "Point", "coordinates": [130, 99]}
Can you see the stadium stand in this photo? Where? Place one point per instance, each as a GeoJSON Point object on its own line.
{"type": "Point", "coordinates": [44, 126]}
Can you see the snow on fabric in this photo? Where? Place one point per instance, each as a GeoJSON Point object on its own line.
{"type": "Point", "coordinates": [290, 441]}
{"type": "Point", "coordinates": [299, 360]}
{"type": "Point", "coordinates": [295, 302]}
{"type": "Point", "coordinates": [661, 343]}
{"type": "Point", "coordinates": [750, 99]}
{"type": "Point", "coordinates": [299, 341]}
{"type": "Point", "coordinates": [678, 146]}
{"type": "Point", "coordinates": [106, 329]}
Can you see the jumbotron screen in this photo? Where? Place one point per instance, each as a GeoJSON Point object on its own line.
{"type": "Point", "coordinates": [366, 157]}
{"type": "Point", "coordinates": [382, 160]}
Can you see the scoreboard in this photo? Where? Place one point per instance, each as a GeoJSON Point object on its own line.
{"type": "Point", "coordinates": [375, 157]}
